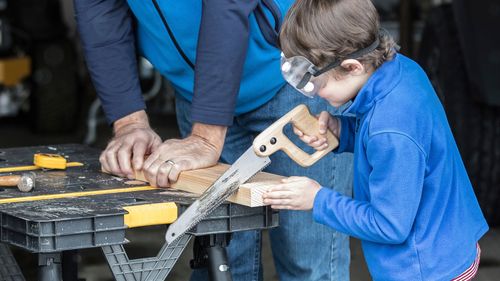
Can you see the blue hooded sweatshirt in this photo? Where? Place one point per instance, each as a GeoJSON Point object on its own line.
{"type": "Point", "coordinates": [414, 208]}
{"type": "Point", "coordinates": [231, 64]}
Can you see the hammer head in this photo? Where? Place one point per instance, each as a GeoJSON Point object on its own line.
{"type": "Point", "coordinates": [27, 182]}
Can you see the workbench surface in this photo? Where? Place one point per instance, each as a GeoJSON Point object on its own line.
{"type": "Point", "coordinates": [81, 207]}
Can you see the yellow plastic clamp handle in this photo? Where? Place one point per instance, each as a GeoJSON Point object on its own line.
{"type": "Point", "coordinates": [150, 214]}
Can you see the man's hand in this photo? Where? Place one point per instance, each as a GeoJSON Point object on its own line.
{"type": "Point", "coordinates": [200, 150]}
{"type": "Point", "coordinates": [133, 139]}
{"type": "Point", "coordinates": [294, 193]}
{"type": "Point", "coordinates": [326, 122]}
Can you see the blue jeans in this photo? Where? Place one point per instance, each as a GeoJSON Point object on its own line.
{"type": "Point", "coordinates": [303, 250]}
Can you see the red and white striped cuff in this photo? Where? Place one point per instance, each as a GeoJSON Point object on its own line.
{"type": "Point", "coordinates": [472, 270]}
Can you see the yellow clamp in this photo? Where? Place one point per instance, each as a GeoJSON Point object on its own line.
{"type": "Point", "coordinates": [150, 214]}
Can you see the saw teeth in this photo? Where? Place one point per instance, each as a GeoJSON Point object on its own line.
{"type": "Point", "coordinates": [202, 210]}
{"type": "Point", "coordinates": [250, 178]}
{"type": "Point", "coordinates": [220, 190]}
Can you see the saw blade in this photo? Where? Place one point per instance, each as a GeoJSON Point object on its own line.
{"type": "Point", "coordinates": [247, 165]}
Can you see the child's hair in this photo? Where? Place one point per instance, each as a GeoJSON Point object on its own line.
{"type": "Point", "coordinates": [325, 30]}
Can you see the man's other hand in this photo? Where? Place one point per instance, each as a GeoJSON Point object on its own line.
{"type": "Point", "coordinates": [133, 139]}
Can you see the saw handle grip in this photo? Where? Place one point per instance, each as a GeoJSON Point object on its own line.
{"type": "Point", "coordinates": [273, 139]}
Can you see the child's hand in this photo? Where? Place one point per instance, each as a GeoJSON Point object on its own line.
{"type": "Point", "coordinates": [326, 122]}
{"type": "Point", "coordinates": [295, 193]}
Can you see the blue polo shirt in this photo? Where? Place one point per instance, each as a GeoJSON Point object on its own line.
{"type": "Point", "coordinates": [414, 208]}
{"type": "Point", "coordinates": [236, 69]}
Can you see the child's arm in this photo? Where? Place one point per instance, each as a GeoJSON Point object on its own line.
{"type": "Point", "coordinates": [394, 189]}
{"type": "Point", "coordinates": [393, 193]}
{"type": "Point", "coordinates": [342, 127]}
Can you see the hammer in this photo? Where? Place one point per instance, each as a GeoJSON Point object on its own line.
{"type": "Point", "coordinates": [24, 182]}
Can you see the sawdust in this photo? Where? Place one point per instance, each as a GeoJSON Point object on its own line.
{"type": "Point", "coordinates": [134, 182]}
{"type": "Point", "coordinates": [178, 193]}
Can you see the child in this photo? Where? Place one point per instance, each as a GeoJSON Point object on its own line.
{"type": "Point", "coordinates": [414, 207]}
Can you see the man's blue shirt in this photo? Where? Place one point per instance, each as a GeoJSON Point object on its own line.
{"type": "Point", "coordinates": [414, 207]}
{"type": "Point", "coordinates": [236, 69]}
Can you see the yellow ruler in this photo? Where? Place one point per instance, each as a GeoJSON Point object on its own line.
{"type": "Point", "coordinates": [43, 161]}
{"type": "Point", "coordinates": [33, 167]}
{"type": "Point", "coordinates": [75, 194]}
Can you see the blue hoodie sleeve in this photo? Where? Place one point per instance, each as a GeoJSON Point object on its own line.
{"type": "Point", "coordinates": [395, 188]}
{"type": "Point", "coordinates": [105, 28]}
{"type": "Point", "coordinates": [221, 53]}
{"type": "Point", "coordinates": [347, 132]}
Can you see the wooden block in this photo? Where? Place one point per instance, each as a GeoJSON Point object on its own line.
{"type": "Point", "coordinates": [197, 181]}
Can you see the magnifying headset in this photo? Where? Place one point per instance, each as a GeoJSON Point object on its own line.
{"type": "Point", "coordinates": [304, 76]}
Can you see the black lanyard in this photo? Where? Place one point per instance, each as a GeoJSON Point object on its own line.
{"type": "Point", "coordinates": [270, 33]}
{"type": "Point", "coordinates": [171, 34]}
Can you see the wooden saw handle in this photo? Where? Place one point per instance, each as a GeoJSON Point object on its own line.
{"type": "Point", "coordinates": [273, 139]}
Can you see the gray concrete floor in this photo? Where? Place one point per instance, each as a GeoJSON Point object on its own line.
{"type": "Point", "coordinates": [146, 242]}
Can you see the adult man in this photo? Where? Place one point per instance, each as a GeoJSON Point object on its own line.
{"type": "Point", "coordinates": [233, 91]}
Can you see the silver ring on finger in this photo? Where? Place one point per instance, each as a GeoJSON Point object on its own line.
{"type": "Point", "coordinates": [170, 162]}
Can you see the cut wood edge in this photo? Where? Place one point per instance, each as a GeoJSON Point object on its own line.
{"type": "Point", "coordinates": [197, 181]}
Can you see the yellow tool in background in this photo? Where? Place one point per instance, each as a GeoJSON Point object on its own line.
{"type": "Point", "coordinates": [50, 161]}
{"type": "Point", "coordinates": [44, 161]}
{"type": "Point", "coordinates": [14, 70]}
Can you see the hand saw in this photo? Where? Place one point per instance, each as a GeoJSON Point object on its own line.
{"type": "Point", "coordinates": [255, 159]}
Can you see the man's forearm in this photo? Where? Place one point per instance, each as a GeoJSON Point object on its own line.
{"type": "Point", "coordinates": [212, 134]}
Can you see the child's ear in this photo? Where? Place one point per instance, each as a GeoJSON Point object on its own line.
{"type": "Point", "coordinates": [354, 67]}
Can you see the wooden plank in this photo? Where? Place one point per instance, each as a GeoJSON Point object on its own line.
{"type": "Point", "coordinates": [197, 181]}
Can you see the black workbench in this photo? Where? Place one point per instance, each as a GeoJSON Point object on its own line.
{"type": "Point", "coordinates": [64, 213]}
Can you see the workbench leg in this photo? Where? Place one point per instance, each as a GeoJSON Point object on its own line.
{"type": "Point", "coordinates": [9, 269]}
{"type": "Point", "coordinates": [49, 267]}
{"type": "Point", "coordinates": [218, 267]}
{"type": "Point", "coordinates": [210, 250]}
{"type": "Point", "coordinates": [145, 269]}
{"type": "Point", "coordinates": [70, 265]}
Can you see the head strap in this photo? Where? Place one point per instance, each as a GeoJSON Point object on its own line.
{"type": "Point", "coordinates": [353, 55]}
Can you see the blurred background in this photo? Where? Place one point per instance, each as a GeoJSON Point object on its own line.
{"type": "Point", "coordinates": [46, 97]}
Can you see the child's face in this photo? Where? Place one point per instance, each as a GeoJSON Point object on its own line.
{"type": "Point", "coordinates": [341, 88]}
